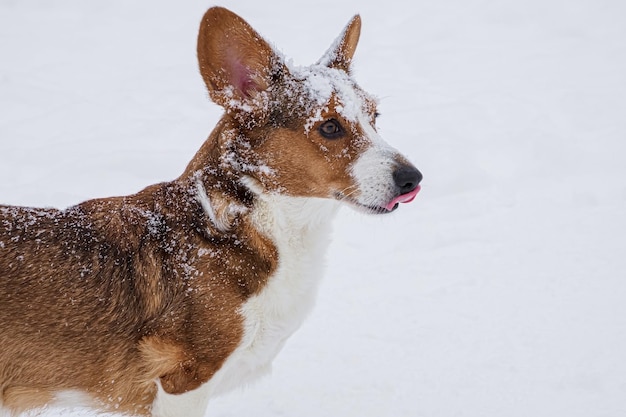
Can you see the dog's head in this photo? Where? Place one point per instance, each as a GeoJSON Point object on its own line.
{"type": "Point", "coordinates": [299, 131]}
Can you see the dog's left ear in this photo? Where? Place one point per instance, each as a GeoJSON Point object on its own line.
{"type": "Point", "coordinates": [236, 63]}
{"type": "Point", "coordinates": [340, 54]}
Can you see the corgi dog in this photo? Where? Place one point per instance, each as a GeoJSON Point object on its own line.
{"type": "Point", "coordinates": [150, 304]}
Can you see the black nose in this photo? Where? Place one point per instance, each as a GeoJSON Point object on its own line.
{"type": "Point", "coordinates": [406, 177]}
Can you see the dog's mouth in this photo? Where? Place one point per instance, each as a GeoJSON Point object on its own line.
{"type": "Point", "coordinates": [376, 209]}
{"type": "Point", "coordinates": [403, 198]}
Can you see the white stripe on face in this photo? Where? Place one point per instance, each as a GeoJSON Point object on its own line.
{"type": "Point", "coordinates": [373, 170]}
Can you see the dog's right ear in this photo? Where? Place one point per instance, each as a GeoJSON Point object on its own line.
{"type": "Point", "coordinates": [340, 54]}
{"type": "Point", "coordinates": [235, 62]}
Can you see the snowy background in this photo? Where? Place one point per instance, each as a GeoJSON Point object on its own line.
{"type": "Point", "coordinates": [500, 292]}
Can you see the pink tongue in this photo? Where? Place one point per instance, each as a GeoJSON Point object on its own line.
{"type": "Point", "coordinates": [404, 198]}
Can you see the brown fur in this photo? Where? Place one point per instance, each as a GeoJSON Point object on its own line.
{"type": "Point", "coordinates": [124, 276]}
{"type": "Point", "coordinates": [109, 295]}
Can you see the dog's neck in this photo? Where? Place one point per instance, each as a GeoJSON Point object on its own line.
{"type": "Point", "coordinates": [225, 193]}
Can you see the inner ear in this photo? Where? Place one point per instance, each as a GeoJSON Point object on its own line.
{"type": "Point", "coordinates": [340, 53]}
{"type": "Point", "coordinates": [241, 76]}
{"type": "Point", "coordinates": [234, 59]}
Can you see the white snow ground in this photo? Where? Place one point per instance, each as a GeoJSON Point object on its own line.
{"type": "Point", "coordinates": [501, 291]}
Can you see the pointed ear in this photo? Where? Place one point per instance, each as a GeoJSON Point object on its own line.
{"type": "Point", "coordinates": [235, 62]}
{"type": "Point", "coordinates": [340, 54]}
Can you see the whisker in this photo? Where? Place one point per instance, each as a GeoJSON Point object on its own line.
{"type": "Point", "coordinates": [350, 190]}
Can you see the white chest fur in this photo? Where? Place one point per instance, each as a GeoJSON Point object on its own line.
{"type": "Point", "coordinates": [300, 228]}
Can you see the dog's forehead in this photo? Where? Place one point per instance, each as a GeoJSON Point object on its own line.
{"type": "Point", "coordinates": [317, 85]}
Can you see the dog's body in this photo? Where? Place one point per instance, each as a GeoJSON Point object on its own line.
{"type": "Point", "coordinates": [152, 303]}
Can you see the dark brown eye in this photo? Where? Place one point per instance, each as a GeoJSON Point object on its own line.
{"type": "Point", "coordinates": [331, 129]}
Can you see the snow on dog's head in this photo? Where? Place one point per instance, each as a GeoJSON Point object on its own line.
{"type": "Point", "coordinates": [300, 131]}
